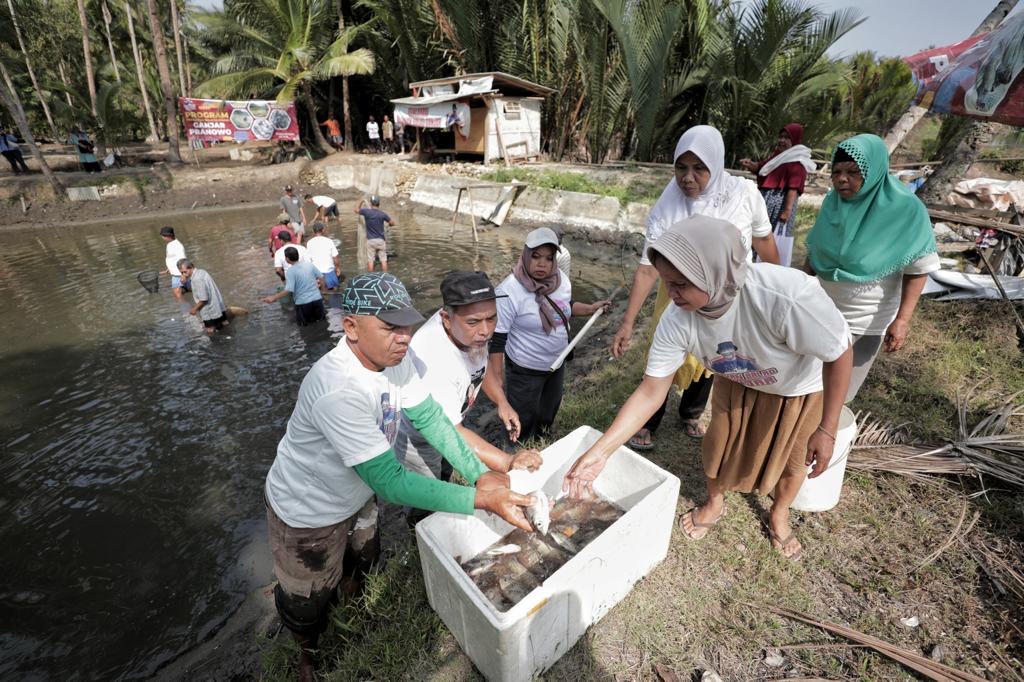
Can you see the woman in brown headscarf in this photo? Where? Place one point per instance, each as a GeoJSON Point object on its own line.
{"type": "Point", "coordinates": [781, 177]}
{"type": "Point", "coordinates": [781, 353]}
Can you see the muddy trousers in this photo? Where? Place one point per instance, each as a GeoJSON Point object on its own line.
{"type": "Point", "coordinates": [535, 396]}
{"type": "Point", "coordinates": [691, 403]}
{"type": "Point", "coordinates": [310, 564]}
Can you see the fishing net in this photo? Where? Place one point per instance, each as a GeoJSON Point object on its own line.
{"type": "Point", "coordinates": [150, 279]}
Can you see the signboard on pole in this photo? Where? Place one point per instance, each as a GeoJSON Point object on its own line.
{"type": "Point", "coordinates": [238, 120]}
{"type": "Point", "coordinates": [981, 77]}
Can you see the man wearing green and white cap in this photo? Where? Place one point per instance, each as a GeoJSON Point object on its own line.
{"type": "Point", "coordinates": [337, 455]}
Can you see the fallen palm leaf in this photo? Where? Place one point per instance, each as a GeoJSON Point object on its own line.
{"type": "Point", "coordinates": [933, 670]}
{"type": "Point", "coordinates": [984, 450]}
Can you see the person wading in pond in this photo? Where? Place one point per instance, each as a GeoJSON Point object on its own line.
{"type": "Point", "coordinates": [281, 264]}
{"type": "Point", "coordinates": [376, 233]}
{"type": "Point", "coordinates": [274, 240]}
{"type": "Point", "coordinates": [700, 187]}
{"type": "Point", "coordinates": [291, 205]}
{"type": "Point", "coordinates": [781, 178]}
{"type": "Point", "coordinates": [780, 384]}
{"type": "Point", "coordinates": [174, 252]}
{"type": "Point", "coordinates": [450, 354]}
{"type": "Point", "coordinates": [532, 331]}
{"type": "Point", "coordinates": [871, 248]}
{"type": "Point", "coordinates": [323, 253]}
{"type": "Point", "coordinates": [305, 284]}
{"type": "Point", "coordinates": [336, 456]}
{"type": "Point", "coordinates": [209, 304]}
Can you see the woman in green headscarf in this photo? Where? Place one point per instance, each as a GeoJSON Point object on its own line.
{"type": "Point", "coordinates": [871, 247]}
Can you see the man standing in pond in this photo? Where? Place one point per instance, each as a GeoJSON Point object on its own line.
{"type": "Point", "coordinates": [175, 252]}
{"type": "Point", "coordinates": [450, 352]}
{"type": "Point", "coordinates": [281, 264]}
{"type": "Point", "coordinates": [324, 254]}
{"type": "Point", "coordinates": [305, 284]}
{"type": "Point", "coordinates": [336, 456]}
{"type": "Point", "coordinates": [209, 304]}
{"type": "Point", "coordinates": [376, 246]}
{"type": "Point", "coordinates": [296, 214]}
{"type": "Point", "coordinates": [274, 241]}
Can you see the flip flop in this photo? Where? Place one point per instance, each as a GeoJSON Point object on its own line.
{"type": "Point", "coordinates": [637, 446]}
{"type": "Point", "coordinates": [781, 549]}
{"type": "Point", "coordinates": [693, 428]}
{"type": "Point", "coordinates": [696, 525]}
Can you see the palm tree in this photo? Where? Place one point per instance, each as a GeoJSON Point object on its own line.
{"type": "Point", "coordinates": [281, 47]}
{"type": "Point", "coordinates": [12, 102]}
{"type": "Point", "coordinates": [176, 29]}
{"type": "Point", "coordinates": [110, 43]}
{"type": "Point", "coordinates": [170, 103]}
{"type": "Point", "coordinates": [86, 51]}
{"type": "Point", "coordinates": [31, 71]}
{"type": "Point", "coordinates": [137, 56]}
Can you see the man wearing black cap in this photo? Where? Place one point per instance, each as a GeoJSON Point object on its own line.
{"type": "Point", "coordinates": [450, 354]}
{"type": "Point", "coordinates": [291, 205]}
{"type": "Point", "coordinates": [337, 455]}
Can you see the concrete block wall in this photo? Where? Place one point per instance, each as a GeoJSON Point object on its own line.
{"type": "Point", "coordinates": [367, 178]}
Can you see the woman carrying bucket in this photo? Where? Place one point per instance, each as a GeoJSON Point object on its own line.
{"type": "Point", "coordinates": [782, 350]}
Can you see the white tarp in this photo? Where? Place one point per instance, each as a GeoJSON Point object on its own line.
{"type": "Point", "coordinates": [960, 285]}
{"type": "Point", "coordinates": [442, 115]}
{"type": "Point", "coordinates": [988, 193]}
{"type": "Point", "coordinates": [471, 86]}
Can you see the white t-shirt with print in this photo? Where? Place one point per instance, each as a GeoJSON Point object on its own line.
{"type": "Point", "coordinates": [519, 316]}
{"type": "Point", "coordinates": [281, 262]}
{"type": "Point", "coordinates": [321, 251]}
{"type": "Point", "coordinates": [175, 252]}
{"type": "Point", "coordinates": [747, 211]}
{"type": "Point", "coordinates": [373, 130]}
{"type": "Point", "coordinates": [452, 376]}
{"type": "Point", "coordinates": [870, 307]}
{"type": "Point", "coordinates": [773, 338]}
{"type": "Point", "coordinates": [345, 415]}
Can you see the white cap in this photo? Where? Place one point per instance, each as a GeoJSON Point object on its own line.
{"type": "Point", "coordinates": [542, 236]}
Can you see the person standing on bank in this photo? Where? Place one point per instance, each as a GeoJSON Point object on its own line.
{"type": "Point", "coordinates": [12, 152]}
{"type": "Point", "coordinates": [305, 284]}
{"type": "Point", "coordinates": [174, 252]}
{"type": "Point", "coordinates": [779, 390]}
{"type": "Point", "coordinates": [376, 233]}
{"type": "Point", "coordinates": [781, 178]}
{"type": "Point", "coordinates": [532, 331]}
{"type": "Point", "coordinates": [373, 133]}
{"type": "Point", "coordinates": [700, 187]}
{"type": "Point", "coordinates": [872, 248]}
{"type": "Point", "coordinates": [336, 458]}
{"type": "Point", "coordinates": [209, 304]}
{"type": "Point", "coordinates": [450, 354]}
{"type": "Point", "coordinates": [296, 214]}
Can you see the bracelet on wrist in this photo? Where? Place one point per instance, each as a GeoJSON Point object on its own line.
{"type": "Point", "coordinates": [822, 429]}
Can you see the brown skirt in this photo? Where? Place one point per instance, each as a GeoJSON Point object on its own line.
{"type": "Point", "coordinates": [754, 436]}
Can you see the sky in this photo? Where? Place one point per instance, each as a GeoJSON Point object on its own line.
{"type": "Point", "coordinates": [893, 28]}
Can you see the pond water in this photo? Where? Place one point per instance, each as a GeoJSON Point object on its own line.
{"type": "Point", "coordinates": [135, 447]}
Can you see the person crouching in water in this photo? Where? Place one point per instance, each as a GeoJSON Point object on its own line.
{"type": "Point", "coordinates": [336, 459]}
{"type": "Point", "coordinates": [450, 354]}
{"type": "Point", "coordinates": [782, 352]}
{"type": "Point", "coordinates": [209, 304]}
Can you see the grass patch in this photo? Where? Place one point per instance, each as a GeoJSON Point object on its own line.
{"type": "Point", "coordinates": [641, 188]}
{"type": "Point", "coordinates": [703, 607]}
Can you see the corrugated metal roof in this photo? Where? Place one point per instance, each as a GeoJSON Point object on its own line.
{"type": "Point", "coordinates": [499, 78]}
{"type": "Point", "coordinates": [436, 99]}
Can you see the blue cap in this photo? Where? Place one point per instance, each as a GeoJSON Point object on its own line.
{"type": "Point", "coordinates": [381, 295]}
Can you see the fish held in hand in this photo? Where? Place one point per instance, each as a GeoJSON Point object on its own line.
{"type": "Point", "coordinates": [539, 512]}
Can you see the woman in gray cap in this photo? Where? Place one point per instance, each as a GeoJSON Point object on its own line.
{"type": "Point", "coordinates": [782, 350]}
{"type": "Point", "coordinates": [532, 331]}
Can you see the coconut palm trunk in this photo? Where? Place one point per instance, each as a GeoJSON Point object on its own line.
{"type": "Point", "coordinates": [345, 114]}
{"type": "Point", "coordinates": [64, 80]}
{"type": "Point", "coordinates": [31, 72]}
{"type": "Point", "coordinates": [13, 105]}
{"type": "Point", "coordinates": [137, 56]}
{"type": "Point", "coordinates": [318, 137]}
{"type": "Point", "coordinates": [176, 26]}
{"type": "Point", "coordinates": [90, 79]}
{"type": "Point", "coordinates": [110, 43]}
{"type": "Point", "coordinates": [170, 104]}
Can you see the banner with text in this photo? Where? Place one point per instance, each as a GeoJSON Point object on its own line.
{"type": "Point", "coordinates": [442, 115]}
{"type": "Point", "coordinates": [238, 121]}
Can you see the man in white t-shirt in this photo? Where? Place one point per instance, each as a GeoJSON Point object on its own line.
{"type": "Point", "coordinates": [336, 456]}
{"type": "Point", "coordinates": [323, 252]}
{"type": "Point", "coordinates": [373, 132]}
{"type": "Point", "coordinates": [326, 207]}
{"type": "Point", "coordinates": [175, 252]}
{"type": "Point", "coordinates": [450, 352]}
{"type": "Point", "coordinates": [281, 264]}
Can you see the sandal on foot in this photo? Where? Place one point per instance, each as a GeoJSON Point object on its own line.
{"type": "Point", "coordinates": [693, 428]}
{"type": "Point", "coordinates": [691, 535]}
{"type": "Point", "coordinates": [637, 445]}
{"type": "Point", "coordinates": [781, 548]}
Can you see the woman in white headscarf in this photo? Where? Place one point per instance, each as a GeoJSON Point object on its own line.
{"type": "Point", "coordinates": [700, 187]}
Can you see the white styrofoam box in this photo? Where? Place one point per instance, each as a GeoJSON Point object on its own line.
{"type": "Point", "coordinates": [822, 493]}
{"type": "Point", "coordinates": [526, 640]}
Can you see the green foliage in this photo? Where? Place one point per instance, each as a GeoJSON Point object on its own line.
{"type": "Point", "coordinates": [639, 189]}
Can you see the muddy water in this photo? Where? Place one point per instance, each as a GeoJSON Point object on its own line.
{"type": "Point", "coordinates": [134, 448]}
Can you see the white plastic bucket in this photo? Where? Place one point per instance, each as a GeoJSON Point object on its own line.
{"type": "Point", "coordinates": [822, 493]}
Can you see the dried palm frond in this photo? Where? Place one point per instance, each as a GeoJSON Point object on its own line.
{"type": "Point", "coordinates": [982, 450]}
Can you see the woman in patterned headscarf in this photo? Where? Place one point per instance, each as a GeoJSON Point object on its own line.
{"type": "Point", "coordinates": [871, 247]}
{"type": "Point", "coordinates": [700, 187]}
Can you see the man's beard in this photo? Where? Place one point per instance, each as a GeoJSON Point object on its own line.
{"type": "Point", "coordinates": [478, 355]}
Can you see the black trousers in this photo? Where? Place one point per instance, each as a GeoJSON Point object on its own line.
{"type": "Point", "coordinates": [691, 403]}
{"type": "Point", "coordinates": [15, 158]}
{"type": "Point", "coordinates": [534, 395]}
